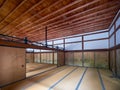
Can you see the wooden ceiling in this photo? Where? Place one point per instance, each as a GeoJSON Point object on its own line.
{"type": "Point", "coordinates": [28, 18]}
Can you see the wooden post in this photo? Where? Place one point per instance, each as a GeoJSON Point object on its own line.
{"type": "Point", "coordinates": [64, 49]}
{"type": "Point", "coordinates": [53, 52]}
{"type": "Point", "coordinates": [33, 57]}
{"type": "Point", "coordinates": [94, 58]}
{"type": "Point", "coordinates": [109, 51]}
{"type": "Point", "coordinates": [46, 36]}
{"type": "Point", "coordinates": [115, 49]}
{"type": "Point", "coordinates": [82, 50]}
{"type": "Point", "coordinates": [40, 56]}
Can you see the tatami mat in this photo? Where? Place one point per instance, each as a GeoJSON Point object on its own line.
{"type": "Point", "coordinates": [69, 78]}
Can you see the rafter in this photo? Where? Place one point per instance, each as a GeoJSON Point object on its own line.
{"type": "Point", "coordinates": [66, 33]}
{"type": "Point", "coordinates": [40, 12]}
{"type": "Point", "coordinates": [70, 30]}
{"type": "Point", "coordinates": [76, 1]}
{"type": "Point", "coordinates": [94, 1]}
{"type": "Point", "coordinates": [89, 10]}
{"type": "Point", "coordinates": [79, 23]}
{"type": "Point", "coordinates": [12, 11]}
{"type": "Point", "coordinates": [28, 18]}
{"type": "Point", "coordinates": [102, 11]}
{"type": "Point", "coordinates": [2, 2]}
{"type": "Point", "coordinates": [16, 10]}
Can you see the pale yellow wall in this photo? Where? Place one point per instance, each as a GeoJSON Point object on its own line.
{"type": "Point", "coordinates": [12, 64]}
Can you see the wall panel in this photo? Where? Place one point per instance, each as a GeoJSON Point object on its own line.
{"type": "Point", "coordinates": [37, 57]}
{"type": "Point", "coordinates": [43, 58]}
{"type": "Point", "coordinates": [69, 58]}
{"type": "Point", "coordinates": [118, 62]}
{"type": "Point", "coordinates": [29, 57]}
{"type": "Point", "coordinates": [112, 61]}
{"type": "Point", "coordinates": [55, 58]}
{"type": "Point", "coordinates": [101, 59]}
{"type": "Point", "coordinates": [77, 58]}
{"type": "Point", "coordinates": [89, 59]}
{"type": "Point", "coordinates": [12, 62]}
{"type": "Point", "coordinates": [61, 60]}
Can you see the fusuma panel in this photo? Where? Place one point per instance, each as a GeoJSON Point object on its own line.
{"type": "Point", "coordinates": [12, 62]}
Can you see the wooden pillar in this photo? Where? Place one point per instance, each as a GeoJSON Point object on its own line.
{"type": "Point", "coordinates": [109, 51]}
{"type": "Point", "coordinates": [53, 52]}
{"type": "Point", "coordinates": [64, 49]}
{"type": "Point", "coordinates": [33, 56]}
{"type": "Point", "coordinates": [57, 59]}
{"type": "Point", "coordinates": [40, 56]}
{"type": "Point", "coordinates": [82, 50]}
{"type": "Point", "coordinates": [46, 36]}
{"type": "Point", "coordinates": [115, 49]}
{"type": "Point", "coordinates": [94, 58]}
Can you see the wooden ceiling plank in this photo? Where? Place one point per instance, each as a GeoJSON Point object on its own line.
{"type": "Point", "coordinates": [6, 8]}
{"type": "Point", "coordinates": [73, 28]}
{"type": "Point", "coordinates": [90, 10]}
{"type": "Point", "coordinates": [85, 21]}
{"type": "Point", "coordinates": [89, 20]}
{"type": "Point", "coordinates": [101, 11]}
{"type": "Point", "coordinates": [37, 14]}
{"type": "Point", "coordinates": [20, 15]}
{"type": "Point", "coordinates": [31, 9]}
{"type": "Point", "coordinates": [68, 34]}
{"type": "Point", "coordinates": [79, 17]}
{"type": "Point", "coordinates": [13, 10]}
{"type": "Point", "coordinates": [76, 1]}
{"type": "Point", "coordinates": [2, 2]}
{"type": "Point", "coordinates": [70, 30]}
{"type": "Point", "coordinates": [94, 1]}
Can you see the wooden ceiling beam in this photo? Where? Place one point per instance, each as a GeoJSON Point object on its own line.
{"type": "Point", "coordinates": [77, 29]}
{"type": "Point", "coordinates": [67, 12]}
{"type": "Point", "coordinates": [37, 4]}
{"type": "Point", "coordinates": [22, 45]}
{"type": "Point", "coordinates": [8, 16]}
{"type": "Point", "coordinates": [76, 1]}
{"type": "Point", "coordinates": [11, 9]}
{"type": "Point", "coordinates": [65, 21]}
{"type": "Point", "coordinates": [2, 2]}
{"type": "Point", "coordinates": [73, 28]}
{"type": "Point", "coordinates": [87, 21]}
{"type": "Point", "coordinates": [29, 25]}
{"type": "Point", "coordinates": [80, 27]}
{"type": "Point", "coordinates": [24, 1]}
{"type": "Point", "coordinates": [102, 14]}
{"type": "Point", "coordinates": [108, 18]}
{"type": "Point", "coordinates": [104, 10]}
{"type": "Point", "coordinates": [59, 35]}
{"type": "Point", "coordinates": [80, 23]}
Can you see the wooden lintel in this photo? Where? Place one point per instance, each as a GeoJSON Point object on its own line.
{"type": "Point", "coordinates": [22, 45]}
